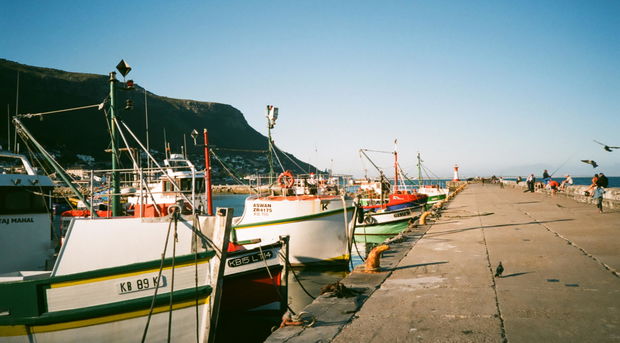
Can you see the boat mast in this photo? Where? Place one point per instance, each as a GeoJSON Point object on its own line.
{"type": "Point", "coordinates": [148, 146]}
{"type": "Point", "coordinates": [272, 115]}
{"type": "Point", "coordinates": [395, 167]}
{"type": "Point", "coordinates": [116, 187]}
{"type": "Point", "coordinates": [419, 171]}
{"type": "Point", "coordinates": [208, 174]}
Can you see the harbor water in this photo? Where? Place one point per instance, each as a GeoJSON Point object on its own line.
{"type": "Point", "coordinates": [304, 284]}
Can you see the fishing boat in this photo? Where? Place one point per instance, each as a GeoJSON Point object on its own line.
{"type": "Point", "coordinates": [433, 191]}
{"type": "Point", "coordinates": [113, 279]}
{"type": "Point", "coordinates": [383, 205]}
{"type": "Point", "coordinates": [309, 209]}
{"type": "Point", "coordinates": [316, 223]}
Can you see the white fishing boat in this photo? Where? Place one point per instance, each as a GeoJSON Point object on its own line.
{"type": "Point", "coordinates": [310, 210]}
{"type": "Point", "coordinates": [114, 279]}
{"type": "Point", "coordinates": [433, 190]}
{"type": "Point", "coordinates": [317, 225]}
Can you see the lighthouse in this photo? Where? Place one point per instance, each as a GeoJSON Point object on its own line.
{"type": "Point", "coordinates": [456, 173]}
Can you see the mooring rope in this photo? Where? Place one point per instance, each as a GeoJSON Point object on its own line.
{"type": "Point", "coordinates": [161, 267]}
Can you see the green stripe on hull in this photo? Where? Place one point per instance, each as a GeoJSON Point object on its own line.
{"type": "Point", "coordinates": [435, 198]}
{"type": "Point", "coordinates": [27, 298]}
{"type": "Point", "coordinates": [293, 220]}
{"type": "Point", "coordinates": [106, 309]}
{"type": "Point", "coordinates": [382, 229]}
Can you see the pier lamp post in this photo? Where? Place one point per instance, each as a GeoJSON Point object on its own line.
{"type": "Point", "coordinates": [272, 116]}
{"type": "Point", "coordinates": [115, 202]}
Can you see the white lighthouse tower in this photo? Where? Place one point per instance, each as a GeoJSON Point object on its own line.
{"type": "Point", "coordinates": [456, 173]}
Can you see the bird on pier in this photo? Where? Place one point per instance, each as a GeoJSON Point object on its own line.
{"type": "Point", "coordinates": [607, 147]}
{"type": "Point", "coordinates": [499, 270]}
{"type": "Point", "coordinates": [593, 163]}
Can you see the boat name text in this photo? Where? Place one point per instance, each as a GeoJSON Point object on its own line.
{"type": "Point", "coordinates": [8, 221]}
{"type": "Point", "coordinates": [261, 209]}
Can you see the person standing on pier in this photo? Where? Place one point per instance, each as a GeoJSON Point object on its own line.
{"type": "Point", "coordinates": [602, 180]}
{"type": "Point", "coordinates": [592, 186]}
{"type": "Point", "coordinates": [530, 183]}
{"type": "Point", "coordinates": [546, 176]}
{"type": "Point", "coordinates": [567, 181]}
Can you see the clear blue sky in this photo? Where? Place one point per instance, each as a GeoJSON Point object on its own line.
{"type": "Point", "coordinates": [499, 87]}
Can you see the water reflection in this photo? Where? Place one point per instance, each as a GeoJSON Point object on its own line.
{"type": "Point", "coordinates": [304, 284]}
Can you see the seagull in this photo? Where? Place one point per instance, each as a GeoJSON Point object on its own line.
{"type": "Point", "coordinates": [499, 270]}
{"type": "Point", "coordinates": [593, 163]}
{"type": "Point", "coordinates": [607, 147]}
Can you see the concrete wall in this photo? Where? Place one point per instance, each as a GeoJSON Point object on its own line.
{"type": "Point", "coordinates": [611, 199]}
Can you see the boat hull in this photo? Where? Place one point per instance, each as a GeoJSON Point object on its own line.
{"type": "Point", "coordinates": [316, 225]}
{"type": "Point", "coordinates": [372, 219]}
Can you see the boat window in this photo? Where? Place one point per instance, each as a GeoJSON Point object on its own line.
{"type": "Point", "coordinates": [14, 201]}
{"type": "Point", "coordinates": [11, 165]}
{"type": "Point", "coordinates": [186, 185]}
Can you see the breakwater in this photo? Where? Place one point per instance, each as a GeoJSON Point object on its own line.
{"type": "Point", "coordinates": [611, 198]}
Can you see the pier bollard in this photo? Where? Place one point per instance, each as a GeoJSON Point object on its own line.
{"type": "Point", "coordinates": [373, 260]}
{"type": "Point", "coordinates": [423, 217]}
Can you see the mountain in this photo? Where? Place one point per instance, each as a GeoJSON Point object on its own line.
{"type": "Point", "coordinates": [85, 132]}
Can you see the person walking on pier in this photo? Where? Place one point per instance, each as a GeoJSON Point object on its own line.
{"type": "Point", "coordinates": [598, 196]}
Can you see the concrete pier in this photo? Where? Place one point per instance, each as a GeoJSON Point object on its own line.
{"type": "Point", "coordinates": [560, 282]}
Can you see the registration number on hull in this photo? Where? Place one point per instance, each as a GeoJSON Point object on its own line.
{"type": "Point", "coordinates": [140, 284]}
{"type": "Point", "coordinates": [248, 259]}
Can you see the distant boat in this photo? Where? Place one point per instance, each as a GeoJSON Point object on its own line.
{"type": "Point", "coordinates": [384, 206]}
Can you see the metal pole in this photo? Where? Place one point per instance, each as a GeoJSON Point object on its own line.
{"type": "Point", "coordinates": [269, 147]}
{"type": "Point", "coordinates": [208, 174]}
{"type": "Point", "coordinates": [148, 147]}
{"type": "Point", "coordinates": [116, 188]}
{"type": "Point", "coordinates": [8, 126]}
{"type": "Point", "coordinates": [395, 171]}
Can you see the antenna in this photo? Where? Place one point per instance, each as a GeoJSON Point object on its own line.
{"type": "Point", "coordinates": [16, 108]}
{"type": "Point", "coordinates": [146, 115]}
{"type": "Point", "coordinates": [8, 125]}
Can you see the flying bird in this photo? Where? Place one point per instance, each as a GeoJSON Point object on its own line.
{"type": "Point", "coordinates": [607, 147]}
{"type": "Point", "coordinates": [593, 163]}
{"type": "Point", "coordinates": [499, 270]}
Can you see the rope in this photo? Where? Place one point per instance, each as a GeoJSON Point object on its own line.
{"type": "Point", "coordinates": [195, 242]}
{"type": "Point", "coordinates": [275, 153]}
{"type": "Point", "coordinates": [161, 267]}
{"type": "Point", "coordinates": [273, 280]}
{"type": "Point", "coordinates": [174, 251]}
{"type": "Point", "coordinates": [289, 157]}
{"type": "Point", "coordinates": [174, 184]}
{"type": "Point", "coordinates": [32, 115]}
{"type": "Point", "coordinates": [299, 282]}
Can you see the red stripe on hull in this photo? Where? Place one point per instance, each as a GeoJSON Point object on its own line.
{"type": "Point", "coordinates": [248, 291]}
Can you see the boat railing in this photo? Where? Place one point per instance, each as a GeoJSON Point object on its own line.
{"type": "Point", "coordinates": [145, 186]}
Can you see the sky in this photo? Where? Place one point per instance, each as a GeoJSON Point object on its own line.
{"type": "Point", "coordinates": [497, 87]}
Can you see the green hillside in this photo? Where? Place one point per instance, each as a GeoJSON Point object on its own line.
{"type": "Point", "coordinates": [85, 132]}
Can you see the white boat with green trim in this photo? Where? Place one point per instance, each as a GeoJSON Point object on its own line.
{"type": "Point", "coordinates": [114, 279]}
{"type": "Point", "coordinates": [317, 225]}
